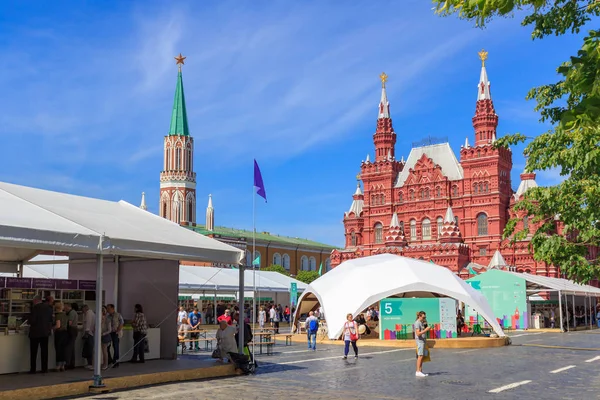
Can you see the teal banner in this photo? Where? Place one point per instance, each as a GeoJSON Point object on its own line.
{"type": "Point", "coordinates": [397, 316]}
{"type": "Point", "coordinates": [293, 294]}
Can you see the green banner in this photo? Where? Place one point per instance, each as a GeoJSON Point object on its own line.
{"type": "Point", "coordinates": [397, 317]}
{"type": "Point", "coordinates": [293, 294]}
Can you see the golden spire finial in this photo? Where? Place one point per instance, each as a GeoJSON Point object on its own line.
{"type": "Point", "coordinates": [483, 56]}
{"type": "Point", "coordinates": [358, 177]}
{"type": "Point", "coordinates": [383, 78]}
{"type": "Point", "coordinates": [180, 61]}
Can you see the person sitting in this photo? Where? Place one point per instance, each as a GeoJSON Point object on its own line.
{"type": "Point", "coordinates": [183, 333]}
{"type": "Point", "coordinates": [225, 341]}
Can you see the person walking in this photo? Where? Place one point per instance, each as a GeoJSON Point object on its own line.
{"type": "Point", "coordinates": [40, 328]}
{"type": "Point", "coordinates": [420, 328]}
{"type": "Point", "coordinates": [350, 336]}
{"type": "Point", "coordinates": [140, 329]}
{"type": "Point", "coordinates": [312, 327]}
{"type": "Point", "coordinates": [262, 318]}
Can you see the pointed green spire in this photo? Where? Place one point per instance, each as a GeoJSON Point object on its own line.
{"type": "Point", "coordinates": [179, 123]}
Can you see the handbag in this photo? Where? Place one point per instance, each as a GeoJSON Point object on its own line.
{"type": "Point", "coordinates": [216, 353]}
{"type": "Point", "coordinates": [353, 336]}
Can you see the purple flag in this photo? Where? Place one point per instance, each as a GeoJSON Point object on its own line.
{"type": "Point", "coordinates": [258, 182]}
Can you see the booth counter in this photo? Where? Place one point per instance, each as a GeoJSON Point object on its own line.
{"type": "Point", "coordinates": [14, 349]}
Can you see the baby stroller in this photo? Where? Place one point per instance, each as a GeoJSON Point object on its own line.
{"type": "Point", "coordinates": [245, 363]}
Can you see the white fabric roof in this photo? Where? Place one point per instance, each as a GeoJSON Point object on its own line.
{"type": "Point", "coordinates": [225, 279]}
{"type": "Point", "coordinates": [441, 154]}
{"type": "Point", "coordinates": [356, 284]}
{"type": "Point", "coordinates": [564, 285]}
{"type": "Point", "coordinates": [34, 219]}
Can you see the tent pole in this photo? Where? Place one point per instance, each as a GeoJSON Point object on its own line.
{"type": "Point", "coordinates": [241, 314]}
{"type": "Point", "coordinates": [574, 320]}
{"type": "Point", "coordinates": [116, 290]}
{"type": "Point", "coordinates": [560, 311]}
{"type": "Point", "coordinates": [215, 309]}
{"type": "Point", "coordinates": [98, 331]}
{"type": "Point", "coordinates": [585, 313]}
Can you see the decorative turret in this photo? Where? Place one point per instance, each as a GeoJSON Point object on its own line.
{"type": "Point", "coordinates": [143, 205]}
{"type": "Point", "coordinates": [357, 202]}
{"type": "Point", "coordinates": [384, 137]}
{"type": "Point", "coordinates": [497, 261]}
{"type": "Point", "coordinates": [210, 215]}
{"type": "Point", "coordinates": [527, 182]}
{"type": "Point", "coordinates": [485, 120]}
{"type": "Point", "coordinates": [395, 236]}
{"type": "Point", "coordinates": [450, 230]}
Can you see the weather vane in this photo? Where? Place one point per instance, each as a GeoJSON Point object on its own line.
{"type": "Point", "coordinates": [358, 177]}
{"type": "Point", "coordinates": [383, 78]}
{"type": "Point", "coordinates": [180, 61]}
{"type": "Point", "coordinates": [483, 56]}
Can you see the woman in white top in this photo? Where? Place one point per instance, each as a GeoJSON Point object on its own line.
{"type": "Point", "coordinates": [350, 336]}
{"type": "Point", "coordinates": [262, 318]}
{"type": "Point", "coordinates": [226, 340]}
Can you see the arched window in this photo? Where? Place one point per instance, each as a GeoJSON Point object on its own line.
{"type": "Point", "coordinates": [413, 229]}
{"type": "Point", "coordinates": [178, 158]}
{"type": "Point", "coordinates": [481, 188]}
{"type": "Point", "coordinates": [421, 194]}
{"type": "Point", "coordinates": [400, 197]}
{"type": "Point", "coordinates": [426, 226]}
{"type": "Point", "coordinates": [382, 199]}
{"type": "Point", "coordinates": [190, 211]}
{"type": "Point", "coordinates": [482, 224]}
{"type": "Point", "coordinates": [426, 193]}
{"type": "Point", "coordinates": [526, 222]}
{"type": "Point", "coordinates": [286, 261]}
{"type": "Point", "coordinates": [168, 159]}
{"type": "Point", "coordinates": [190, 167]}
{"type": "Point", "coordinates": [478, 153]}
{"type": "Point", "coordinates": [258, 259]}
{"type": "Point", "coordinates": [304, 263]}
{"type": "Point", "coordinates": [455, 191]}
{"type": "Point", "coordinates": [412, 194]}
{"type": "Point", "coordinates": [328, 265]}
{"type": "Point", "coordinates": [475, 188]}
{"type": "Point", "coordinates": [485, 187]}
{"type": "Point", "coordinates": [378, 233]}
{"type": "Point", "coordinates": [248, 258]}
{"type": "Point", "coordinates": [164, 210]}
{"type": "Point", "coordinates": [438, 192]}
{"type": "Point", "coordinates": [440, 225]}
{"type": "Point", "coordinates": [312, 262]}
{"type": "Point", "coordinates": [277, 259]}
{"type": "Point", "coordinates": [353, 239]}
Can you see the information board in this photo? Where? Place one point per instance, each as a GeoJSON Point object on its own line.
{"type": "Point", "coordinates": [397, 316]}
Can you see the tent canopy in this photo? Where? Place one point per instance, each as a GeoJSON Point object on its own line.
{"type": "Point", "coordinates": [542, 283]}
{"type": "Point", "coordinates": [356, 284]}
{"type": "Point", "coordinates": [227, 280]}
{"type": "Point", "coordinates": [33, 220]}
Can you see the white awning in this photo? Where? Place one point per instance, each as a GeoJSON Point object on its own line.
{"type": "Point", "coordinates": [32, 220]}
{"type": "Point", "coordinates": [213, 279]}
{"type": "Point", "coordinates": [357, 284]}
{"type": "Point", "coordinates": [543, 283]}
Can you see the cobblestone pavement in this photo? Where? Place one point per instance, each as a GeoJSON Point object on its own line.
{"type": "Point", "coordinates": [389, 374]}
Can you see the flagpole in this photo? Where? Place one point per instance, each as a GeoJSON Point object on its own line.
{"type": "Point", "coordinates": [254, 311]}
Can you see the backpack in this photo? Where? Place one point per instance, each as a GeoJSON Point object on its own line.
{"type": "Point", "coordinates": [313, 326]}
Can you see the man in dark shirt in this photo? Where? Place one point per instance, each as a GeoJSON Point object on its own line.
{"type": "Point", "coordinates": [40, 327]}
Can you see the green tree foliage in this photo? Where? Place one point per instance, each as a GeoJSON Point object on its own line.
{"type": "Point", "coordinates": [307, 276]}
{"type": "Point", "coordinates": [572, 107]}
{"type": "Point", "coordinates": [276, 268]}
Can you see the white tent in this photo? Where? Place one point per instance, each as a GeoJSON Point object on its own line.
{"type": "Point", "coordinates": [33, 219]}
{"type": "Point", "coordinates": [198, 279]}
{"type": "Point", "coordinates": [355, 285]}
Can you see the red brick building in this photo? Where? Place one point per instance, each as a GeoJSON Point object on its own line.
{"type": "Point", "coordinates": [433, 206]}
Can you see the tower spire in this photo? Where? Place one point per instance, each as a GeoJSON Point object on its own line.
{"type": "Point", "coordinates": [210, 215]}
{"type": "Point", "coordinates": [179, 122]}
{"type": "Point", "coordinates": [143, 205]}
{"type": "Point", "coordinates": [385, 137]}
{"type": "Point", "coordinates": [485, 120]}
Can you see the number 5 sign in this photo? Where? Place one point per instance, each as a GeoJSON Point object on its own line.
{"type": "Point", "coordinates": [387, 308]}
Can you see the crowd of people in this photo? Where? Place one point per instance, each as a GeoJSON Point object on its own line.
{"type": "Point", "coordinates": [60, 320]}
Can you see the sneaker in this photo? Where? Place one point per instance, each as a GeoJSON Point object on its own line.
{"type": "Point", "coordinates": [420, 374]}
{"type": "Point", "coordinates": [355, 356]}
{"type": "Point", "coordinates": [345, 357]}
{"type": "Point", "coordinates": [89, 367]}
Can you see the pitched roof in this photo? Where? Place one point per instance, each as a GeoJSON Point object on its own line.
{"type": "Point", "coordinates": [261, 236]}
{"type": "Point", "coordinates": [441, 154]}
{"type": "Point", "coordinates": [179, 122]}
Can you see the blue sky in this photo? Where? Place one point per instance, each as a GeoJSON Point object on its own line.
{"type": "Point", "coordinates": [86, 91]}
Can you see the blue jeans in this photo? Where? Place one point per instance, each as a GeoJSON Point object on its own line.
{"type": "Point", "coordinates": [347, 348]}
{"type": "Point", "coordinates": [313, 337]}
